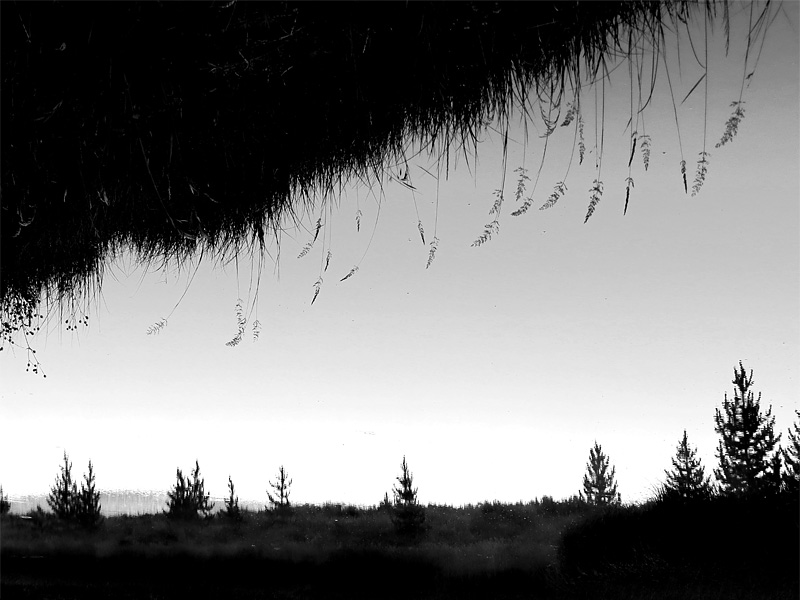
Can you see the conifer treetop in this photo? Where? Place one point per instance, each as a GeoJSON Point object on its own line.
{"type": "Point", "coordinates": [599, 484]}
{"type": "Point", "coordinates": [748, 441]}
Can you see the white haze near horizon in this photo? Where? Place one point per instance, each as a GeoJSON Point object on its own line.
{"type": "Point", "coordinates": [494, 370]}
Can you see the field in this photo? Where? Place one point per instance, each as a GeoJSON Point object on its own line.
{"type": "Point", "coordinates": [717, 549]}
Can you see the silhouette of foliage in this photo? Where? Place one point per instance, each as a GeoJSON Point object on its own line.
{"type": "Point", "coordinates": [280, 501]}
{"type": "Point", "coordinates": [232, 510]}
{"type": "Point", "coordinates": [748, 443]}
{"type": "Point", "coordinates": [63, 495]}
{"type": "Point", "coordinates": [5, 505]}
{"type": "Point", "coordinates": [687, 480]}
{"type": "Point", "coordinates": [187, 498]}
{"type": "Point", "coordinates": [87, 510]}
{"type": "Point", "coordinates": [408, 516]}
{"type": "Point", "coordinates": [599, 485]}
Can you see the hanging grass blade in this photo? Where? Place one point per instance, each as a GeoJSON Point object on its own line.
{"type": "Point", "coordinates": [317, 286]}
{"type": "Point", "coordinates": [350, 274]}
{"type": "Point", "coordinates": [732, 124]}
{"type": "Point", "coordinates": [432, 251]}
{"type": "Point", "coordinates": [156, 328]}
{"type": "Point", "coordinates": [488, 230]}
{"type": "Point", "coordinates": [629, 181]}
{"type": "Point", "coordinates": [646, 151]}
{"type": "Point", "coordinates": [694, 87]}
{"type": "Point", "coordinates": [305, 249]}
{"type": "Point", "coordinates": [683, 173]}
{"type": "Point", "coordinates": [633, 149]}
{"type": "Point", "coordinates": [316, 231]}
{"type": "Point", "coordinates": [558, 190]}
{"type": "Point", "coordinates": [597, 192]}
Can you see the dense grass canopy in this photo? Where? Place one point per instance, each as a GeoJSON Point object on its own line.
{"type": "Point", "coordinates": [170, 128]}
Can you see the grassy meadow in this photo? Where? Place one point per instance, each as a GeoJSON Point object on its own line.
{"type": "Point", "coordinates": [718, 548]}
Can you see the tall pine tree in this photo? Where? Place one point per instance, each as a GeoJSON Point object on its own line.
{"type": "Point", "coordinates": [63, 495]}
{"type": "Point", "coordinates": [87, 510]}
{"type": "Point", "coordinates": [746, 452]}
{"type": "Point", "coordinates": [687, 480]}
{"type": "Point", "coordinates": [599, 485]}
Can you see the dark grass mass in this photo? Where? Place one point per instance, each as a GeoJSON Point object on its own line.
{"type": "Point", "coordinates": [171, 129]}
{"type": "Point", "coordinates": [723, 547]}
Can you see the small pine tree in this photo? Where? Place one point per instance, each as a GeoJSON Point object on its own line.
{"type": "Point", "coordinates": [87, 506]}
{"type": "Point", "coordinates": [687, 480]}
{"type": "Point", "coordinates": [746, 450]}
{"type": "Point", "coordinates": [187, 499]}
{"type": "Point", "coordinates": [599, 486]}
{"type": "Point", "coordinates": [408, 516]}
{"type": "Point", "coordinates": [280, 502]}
{"type": "Point", "coordinates": [63, 495]}
{"type": "Point", "coordinates": [232, 510]}
{"type": "Point", "coordinates": [385, 504]}
{"type": "Point", "coordinates": [5, 505]}
{"type": "Point", "coordinates": [791, 457]}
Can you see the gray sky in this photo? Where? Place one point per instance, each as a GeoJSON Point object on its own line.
{"type": "Point", "coordinates": [505, 361]}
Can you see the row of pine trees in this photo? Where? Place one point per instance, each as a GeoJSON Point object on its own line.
{"type": "Point", "coordinates": [751, 462]}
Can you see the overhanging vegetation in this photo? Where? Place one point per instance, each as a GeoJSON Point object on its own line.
{"type": "Point", "coordinates": [169, 128]}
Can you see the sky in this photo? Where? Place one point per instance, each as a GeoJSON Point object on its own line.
{"type": "Point", "coordinates": [494, 370]}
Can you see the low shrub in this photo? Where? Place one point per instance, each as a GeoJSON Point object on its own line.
{"type": "Point", "coordinates": [5, 505]}
{"type": "Point", "coordinates": [188, 499]}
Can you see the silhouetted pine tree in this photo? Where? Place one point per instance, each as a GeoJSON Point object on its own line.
{"type": "Point", "coordinates": [791, 457]}
{"type": "Point", "coordinates": [687, 480]}
{"type": "Point", "coordinates": [748, 445]}
{"type": "Point", "coordinates": [280, 502]}
{"type": "Point", "coordinates": [187, 499]}
{"type": "Point", "coordinates": [232, 510]}
{"type": "Point", "coordinates": [63, 495]}
{"type": "Point", "coordinates": [87, 506]}
{"type": "Point", "coordinates": [599, 486]}
{"type": "Point", "coordinates": [408, 516]}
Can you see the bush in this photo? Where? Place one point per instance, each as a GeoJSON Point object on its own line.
{"type": "Point", "coordinates": [572, 505]}
{"type": "Point", "coordinates": [5, 505]}
{"type": "Point", "coordinates": [70, 505]}
{"type": "Point", "coordinates": [497, 520]}
{"type": "Point", "coordinates": [735, 536]}
{"type": "Point", "coordinates": [188, 500]}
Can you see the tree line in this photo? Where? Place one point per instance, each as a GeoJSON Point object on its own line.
{"type": "Point", "coordinates": [750, 459]}
{"type": "Point", "coordinates": [750, 463]}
